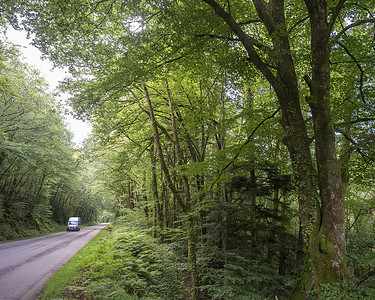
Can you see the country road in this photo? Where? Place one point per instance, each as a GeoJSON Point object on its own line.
{"type": "Point", "coordinates": [26, 265]}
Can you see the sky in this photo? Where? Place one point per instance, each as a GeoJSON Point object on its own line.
{"type": "Point", "coordinates": [32, 56]}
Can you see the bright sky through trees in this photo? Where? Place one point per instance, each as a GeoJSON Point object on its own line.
{"type": "Point", "coordinates": [52, 75]}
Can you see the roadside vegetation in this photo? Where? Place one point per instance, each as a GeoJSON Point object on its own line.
{"type": "Point", "coordinates": [16, 229]}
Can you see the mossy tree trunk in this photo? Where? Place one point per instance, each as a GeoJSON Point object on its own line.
{"type": "Point", "coordinates": [327, 243]}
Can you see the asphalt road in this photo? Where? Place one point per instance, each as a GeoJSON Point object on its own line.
{"type": "Point", "coordinates": [26, 265]}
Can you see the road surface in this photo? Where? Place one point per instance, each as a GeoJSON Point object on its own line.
{"type": "Point", "coordinates": [26, 265]}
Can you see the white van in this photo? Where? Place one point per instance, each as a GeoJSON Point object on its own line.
{"type": "Point", "coordinates": [74, 224]}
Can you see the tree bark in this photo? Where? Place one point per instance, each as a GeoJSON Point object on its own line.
{"type": "Point", "coordinates": [155, 195]}
{"type": "Point", "coordinates": [328, 247]}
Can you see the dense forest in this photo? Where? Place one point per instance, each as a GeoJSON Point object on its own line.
{"type": "Point", "coordinates": [242, 131]}
{"type": "Point", "coordinates": [43, 175]}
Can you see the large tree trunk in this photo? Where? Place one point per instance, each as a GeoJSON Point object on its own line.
{"type": "Point", "coordinates": [327, 243]}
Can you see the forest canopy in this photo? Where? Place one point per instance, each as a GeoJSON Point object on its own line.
{"type": "Point", "coordinates": [243, 129]}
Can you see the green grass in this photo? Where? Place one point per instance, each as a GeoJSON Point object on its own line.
{"type": "Point", "coordinates": [69, 273]}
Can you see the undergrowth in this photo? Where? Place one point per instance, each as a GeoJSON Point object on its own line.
{"type": "Point", "coordinates": [131, 265]}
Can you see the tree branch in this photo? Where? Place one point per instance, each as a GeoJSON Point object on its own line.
{"type": "Point", "coordinates": [359, 67]}
{"type": "Point", "coordinates": [352, 25]}
{"type": "Point", "coordinates": [246, 41]}
{"type": "Point", "coordinates": [297, 23]}
{"type": "Point", "coordinates": [360, 120]}
{"type": "Point", "coordinates": [248, 140]}
{"type": "Point", "coordinates": [254, 41]}
{"type": "Point", "coordinates": [250, 22]}
{"type": "Point", "coordinates": [367, 276]}
{"type": "Point", "coordinates": [355, 147]}
{"type": "Point", "coordinates": [335, 13]}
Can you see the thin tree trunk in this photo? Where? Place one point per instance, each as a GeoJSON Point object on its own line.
{"type": "Point", "coordinates": [225, 223]}
{"type": "Point", "coordinates": [155, 195]}
{"type": "Point", "coordinates": [345, 151]}
{"type": "Point", "coordinates": [221, 143]}
{"type": "Point", "coordinates": [283, 253]}
{"type": "Point", "coordinates": [202, 211]}
{"type": "Point", "coordinates": [129, 202]}
{"type": "Point", "coordinates": [190, 222]}
{"type": "Point", "coordinates": [252, 213]}
{"type": "Point", "coordinates": [168, 217]}
{"type": "Point", "coordinates": [184, 206]}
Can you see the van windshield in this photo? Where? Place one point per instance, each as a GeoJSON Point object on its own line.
{"type": "Point", "coordinates": [73, 222]}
